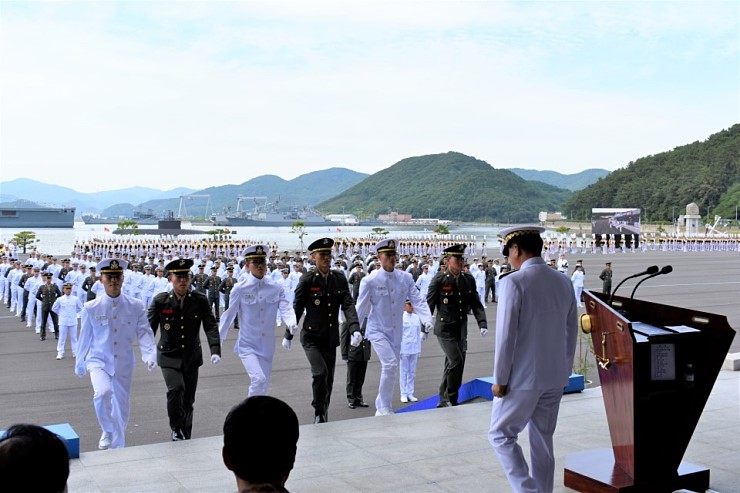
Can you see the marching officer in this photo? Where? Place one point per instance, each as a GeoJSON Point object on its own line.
{"type": "Point", "coordinates": [47, 295]}
{"type": "Point", "coordinates": [180, 314]}
{"type": "Point", "coordinates": [225, 287]}
{"type": "Point", "coordinates": [199, 279]}
{"type": "Point", "coordinates": [452, 292]}
{"type": "Point", "coordinates": [211, 285]}
{"type": "Point", "coordinates": [321, 293]}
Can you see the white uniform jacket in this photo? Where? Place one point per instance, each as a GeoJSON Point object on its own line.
{"type": "Point", "coordinates": [256, 301]}
{"type": "Point", "coordinates": [382, 298]}
{"type": "Point", "coordinates": [67, 307]}
{"type": "Point", "coordinates": [109, 327]}
{"type": "Point", "coordinates": [536, 328]}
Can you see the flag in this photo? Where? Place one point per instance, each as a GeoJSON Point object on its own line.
{"type": "Point", "coordinates": [105, 228]}
{"type": "Point", "coordinates": [339, 230]}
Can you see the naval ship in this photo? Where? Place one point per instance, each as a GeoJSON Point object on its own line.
{"type": "Point", "coordinates": [268, 214]}
{"type": "Point", "coordinates": [22, 214]}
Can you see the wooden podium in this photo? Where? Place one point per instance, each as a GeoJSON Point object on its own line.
{"type": "Point", "coordinates": [657, 365]}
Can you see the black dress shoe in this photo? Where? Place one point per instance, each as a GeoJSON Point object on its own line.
{"type": "Point", "coordinates": [361, 404]}
{"type": "Point", "coordinates": [351, 405]}
{"type": "Point", "coordinates": [56, 335]}
{"type": "Point", "coordinates": [443, 404]}
{"type": "Point", "coordinates": [42, 337]}
{"type": "Point", "coordinates": [319, 419]}
{"type": "Point", "coordinates": [177, 435]}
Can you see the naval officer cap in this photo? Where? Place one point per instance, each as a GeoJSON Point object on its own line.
{"type": "Point", "coordinates": [179, 267]}
{"type": "Point", "coordinates": [257, 252]}
{"type": "Point", "coordinates": [322, 245]}
{"type": "Point", "coordinates": [455, 250]}
{"type": "Point", "coordinates": [386, 246]}
{"type": "Point", "coordinates": [112, 266]}
{"type": "Point", "coordinates": [508, 234]}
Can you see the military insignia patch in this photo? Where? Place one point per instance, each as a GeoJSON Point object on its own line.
{"type": "Point", "coordinates": [391, 244]}
{"type": "Point", "coordinates": [166, 326]}
{"type": "Point", "coordinates": [114, 264]}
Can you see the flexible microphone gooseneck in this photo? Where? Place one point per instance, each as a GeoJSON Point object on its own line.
{"type": "Point", "coordinates": [665, 270]}
{"type": "Point", "coordinates": [649, 271]}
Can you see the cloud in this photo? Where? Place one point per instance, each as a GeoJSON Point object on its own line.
{"type": "Point", "coordinates": [200, 93]}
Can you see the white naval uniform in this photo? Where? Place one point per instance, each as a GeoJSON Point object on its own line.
{"type": "Point", "coordinates": [410, 349]}
{"type": "Point", "coordinates": [536, 330]}
{"type": "Point", "coordinates": [577, 280]}
{"type": "Point", "coordinates": [105, 349]}
{"type": "Point", "coordinates": [67, 307]}
{"type": "Point", "coordinates": [382, 298]}
{"type": "Point", "coordinates": [257, 302]}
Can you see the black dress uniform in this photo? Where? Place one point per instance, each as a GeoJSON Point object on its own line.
{"type": "Point", "coordinates": [356, 358]}
{"type": "Point", "coordinates": [179, 352]}
{"type": "Point", "coordinates": [321, 298]}
{"type": "Point", "coordinates": [453, 297]}
{"type": "Point", "coordinates": [211, 285]}
{"type": "Point", "coordinates": [225, 287]}
{"type": "Point", "coordinates": [47, 295]}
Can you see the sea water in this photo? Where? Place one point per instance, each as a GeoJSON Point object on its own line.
{"type": "Point", "coordinates": [61, 241]}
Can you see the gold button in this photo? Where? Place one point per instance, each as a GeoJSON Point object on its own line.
{"type": "Point", "coordinates": [183, 336]}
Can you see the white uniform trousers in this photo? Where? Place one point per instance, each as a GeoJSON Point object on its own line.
{"type": "Point", "coordinates": [30, 315]}
{"type": "Point", "coordinates": [408, 373]}
{"type": "Point", "coordinates": [63, 331]}
{"type": "Point", "coordinates": [259, 370]}
{"type": "Point", "coordinates": [481, 294]}
{"type": "Point", "coordinates": [13, 297]}
{"type": "Point", "coordinates": [19, 301]}
{"type": "Point", "coordinates": [389, 357]}
{"type": "Point", "coordinates": [538, 410]}
{"type": "Point", "coordinates": [111, 402]}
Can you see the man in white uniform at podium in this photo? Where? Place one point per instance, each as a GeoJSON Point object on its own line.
{"type": "Point", "coordinates": [536, 330]}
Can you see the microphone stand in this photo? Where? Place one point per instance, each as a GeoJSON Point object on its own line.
{"type": "Point", "coordinates": [650, 270]}
{"type": "Point", "coordinates": [665, 270]}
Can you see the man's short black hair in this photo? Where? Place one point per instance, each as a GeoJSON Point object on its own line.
{"type": "Point", "coordinates": [260, 439]}
{"type": "Point", "coordinates": [35, 458]}
{"type": "Point", "coordinates": [531, 244]}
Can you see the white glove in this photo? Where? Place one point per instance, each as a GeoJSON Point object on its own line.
{"type": "Point", "coordinates": [424, 336]}
{"type": "Point", "coordinates": [150, 365]}
{"type": "Point", "coordinates": [215, 359]}
{"type": "Point", "coordinates": [80, 371]}
{"type": "Point", "coordinates": [428, 326]}
{"type": "Point", "coordinates": [483, 332]}
{"type": "Point", "coordinates": [356, 339]}
{"type": "Point", "coordinates": [292, 329]}
{"type": "Point", "coordinates": [287, 343]}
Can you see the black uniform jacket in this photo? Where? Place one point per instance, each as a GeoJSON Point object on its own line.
{"type": "Point", "coordinates": [179, 342]}
{"type": "Point", "coordinates": [321, 300]}
{"type": "Point", "coordinates": [452, 302]}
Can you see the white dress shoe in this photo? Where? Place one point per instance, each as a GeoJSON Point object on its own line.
{"type": "Point", "coordinates": [105, 440]}
{"type": "Point", "coordinates": [404, 399]}
{"type": "Point", "coordinates": [60, 355]}
{"type": "Point", "coordinates": [386, 411]}
{"type": "Point", "coordinates": [412, 398]}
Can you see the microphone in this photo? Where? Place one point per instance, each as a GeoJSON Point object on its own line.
{"type": "Point", "coordinates": [665, 270]}
{"type": "Point", "coordinates": [649, 271]}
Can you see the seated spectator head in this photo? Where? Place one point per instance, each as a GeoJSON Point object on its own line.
{"type": "Point", "coordinates": [34, 459]}
{"type": "Point", "coordinates": [260, 441]}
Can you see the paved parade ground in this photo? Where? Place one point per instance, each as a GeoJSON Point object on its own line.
{"type": "Point", "coordinates": [36, 388]}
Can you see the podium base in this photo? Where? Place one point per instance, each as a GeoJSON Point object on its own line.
{"type": "Point", "coordinates": [594, 471]}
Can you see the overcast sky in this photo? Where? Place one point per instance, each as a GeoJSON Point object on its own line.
{"type": "Point", "coordinates": [101, 95]}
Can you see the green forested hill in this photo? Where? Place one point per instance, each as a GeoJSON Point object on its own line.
{"type": "Point", "coordinates": [449, 186]}
{"type": "Point", "coordinates": [573, 182]}
{"type": "Point", "coordinates": [707, 173]}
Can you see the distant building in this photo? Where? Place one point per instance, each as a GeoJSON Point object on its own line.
{"type": "Point", "coordinates": [343, 219]}
{"type": "Point", "coordinates": [550, 216]}
{"type": "Point", "coordinates": [395, 217]}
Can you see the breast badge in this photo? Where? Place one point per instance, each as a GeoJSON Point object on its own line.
{"type": "Point", "coordinates": [166, 326]}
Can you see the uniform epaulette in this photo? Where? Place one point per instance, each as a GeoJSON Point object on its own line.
{"type": "Point", "coordinates": [506, 274]}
